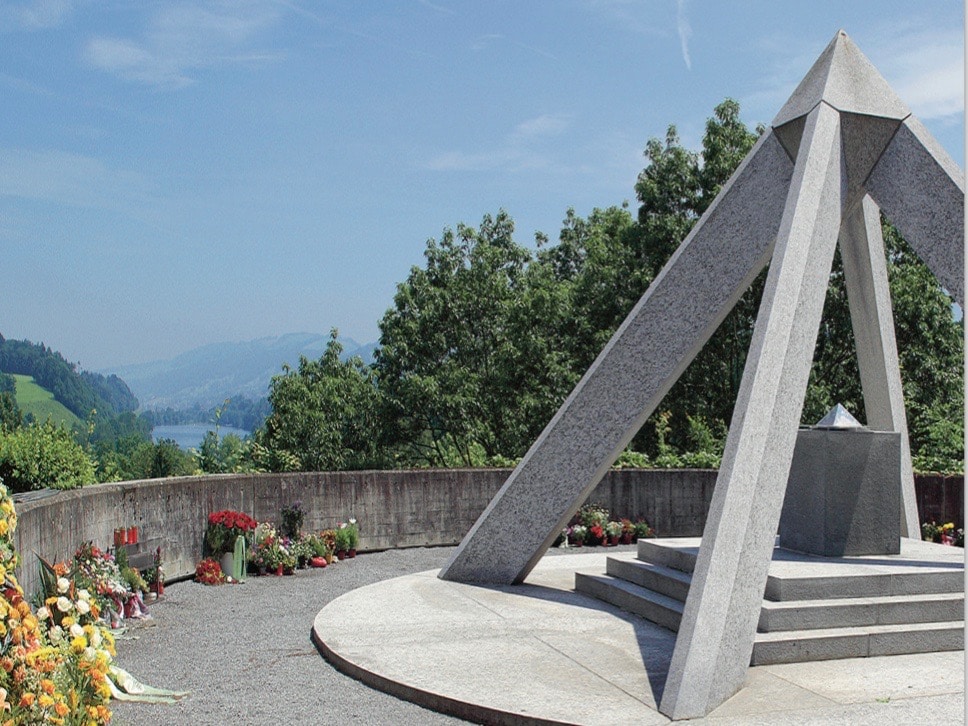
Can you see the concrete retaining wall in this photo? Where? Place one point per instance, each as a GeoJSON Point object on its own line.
{"type": "Point", "coordinates": [426, 507]}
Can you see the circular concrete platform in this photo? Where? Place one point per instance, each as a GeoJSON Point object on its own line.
{"type": "Point", "coordinates": [542, 653]}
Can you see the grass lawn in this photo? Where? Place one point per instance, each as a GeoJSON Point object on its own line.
{"type": "Point", "coordinates": [40, 402]}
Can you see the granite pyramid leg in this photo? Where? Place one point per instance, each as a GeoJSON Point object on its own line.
{"type": "Point", "coordinates": [719, 621]}
{"type": "Point", "coordinates": [869, 299]}
{"type": "Point", "coordinates": [682, 308]}
{"type": "Point", "coordinates": [922, 191]}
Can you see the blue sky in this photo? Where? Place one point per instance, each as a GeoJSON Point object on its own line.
{"type": "Point", "coordinates": [179, 173]}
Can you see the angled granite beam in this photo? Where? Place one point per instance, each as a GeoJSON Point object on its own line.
{"type": "Point", "coordinates": [681, 309]}
{"type": "Point", "coordinates": [715, 639]}
{"type": "Point", "coordinates": [922, 192]}
{"type": "Point", "coordinates": [871, 316]}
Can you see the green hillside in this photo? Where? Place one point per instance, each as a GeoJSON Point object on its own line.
{"type": "Point", "coordinates": [40, 402]}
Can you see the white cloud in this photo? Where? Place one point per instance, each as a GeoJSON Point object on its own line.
{"type": "Point", "coordinates": [69, 179]}
{"type": "Point", "coordinates": [927, 70]}
{"type": "Point", "coordinates": [36, 15]}
{"type": "Point", "coordinates": [685, 31]}
{"type": "Point", "coordinates": [516, 152]}
{"type": "Point", "coordinates": [182, 39]}
{"type": "Point", "coordinates": [544, 125]}
{"type": "Point", "coordinates": [925, 67]}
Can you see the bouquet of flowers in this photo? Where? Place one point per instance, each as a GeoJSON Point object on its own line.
{"type": "Point", "coordinates": [209, 572]}
{"type": "Point", "coordinates": [223, 529]}
{"type": "Point", "coordinates": [267, 553]}
{"type": "Point", "coordinates": [98, 572]}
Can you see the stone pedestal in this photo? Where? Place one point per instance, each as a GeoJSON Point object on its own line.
{"type": "Point", "coordinates": [843, 496]}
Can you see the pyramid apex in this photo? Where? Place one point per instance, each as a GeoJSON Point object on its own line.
{"type": "Point", "coordinates": [838, 417]}
{"type": "Point", "coordinates": [843, 77]}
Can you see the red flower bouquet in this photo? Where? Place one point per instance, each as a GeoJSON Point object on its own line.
{"type": "Point", "coordinates": [209, 572]}
{"type": "Point", "coordinates": [223, 529]}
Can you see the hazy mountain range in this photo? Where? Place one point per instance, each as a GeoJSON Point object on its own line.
{"type": "Point", "coordinates": [206, 376]}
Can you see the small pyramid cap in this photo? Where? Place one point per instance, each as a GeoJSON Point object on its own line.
{"type": "Point", "coordinates": [838, 418]}
{"type": "Point", "coordinates": [844, 78]}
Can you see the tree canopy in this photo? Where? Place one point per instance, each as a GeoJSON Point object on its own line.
{"type": "Point", "coordinates": [486, 339]}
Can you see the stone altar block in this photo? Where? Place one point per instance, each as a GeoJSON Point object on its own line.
{"type": "Point", "coordinates": [843, 496]}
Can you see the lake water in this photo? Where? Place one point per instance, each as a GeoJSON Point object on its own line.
{"type": "Point", "coordinates": [190, 436]}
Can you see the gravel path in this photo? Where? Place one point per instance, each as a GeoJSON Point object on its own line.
{"type": "Point", "coordinates": [245, 652]}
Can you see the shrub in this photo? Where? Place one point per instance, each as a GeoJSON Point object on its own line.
{"type": "Point", "coordinates": [43, 456]}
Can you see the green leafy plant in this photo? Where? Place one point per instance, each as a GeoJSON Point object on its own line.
{"type": "Point", "coordinates": [43, 456]}
{"type": "Point", "coordinates": [643, 530]}
{"type": "Point", "coordinates": [591, 515]}
{"type": "Point", "coordinates": [342, 537]}
{"type": "Point", "coordinates": [354, 534]}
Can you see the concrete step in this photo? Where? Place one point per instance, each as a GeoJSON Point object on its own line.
{"type": "Point", "coordinates": [652, 606]}
{"type": "Point", "coordinates": [669, 553]}
{"type": "Point", "coordinates": [794, 576]}
{"type": "Point", "coordinates": [861, 611]}
{"type": "Point", "coordinates": [663, 580]}
{"type": "Point", "coordinates": [797, 646]}
{"type": "Point", "coordinates": [839, 584]}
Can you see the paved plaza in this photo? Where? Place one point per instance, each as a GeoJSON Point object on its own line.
{"type": "Point", "coordinates": [246, 654]}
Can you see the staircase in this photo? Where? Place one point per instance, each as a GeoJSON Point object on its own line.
{"type": "Point", "coordinates": [815, 608]}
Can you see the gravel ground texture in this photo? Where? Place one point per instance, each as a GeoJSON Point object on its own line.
{"type": "Point", "coordinates": [245, 654]}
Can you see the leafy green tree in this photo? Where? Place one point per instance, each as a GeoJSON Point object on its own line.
{"type": "Point", "coordinates": [675, 188]}
{"type": "Point", "coordinates": [10, 415]}
{"type": "Point", "coordinates": [324, 415]}
{"type": "Point", "coordinates": [931, 350]}
{"type": "Point", "coordinates": [488, 337]}
{"type": "Point", "coordinates": [224, 454]}
{"type": "Point", "coordinates": [162, 459]}
{"type": "Point", "coordinates": [43, 456]}
{"type": "Point", "coordinates": [469, 364]}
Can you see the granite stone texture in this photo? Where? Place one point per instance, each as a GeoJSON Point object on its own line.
{"type": "Point", "coordinates": [843, 78]}
{"type": "Point", "coordinates": [872, 320]}
{"type": "Point", "coordinates": [843, 494]}
{"type": "Point", "coordinates": [683, 306]}
{"type": "Point", "coordinates": [719, 622]}
{"type": "Point", "coordinates": [921, 190]}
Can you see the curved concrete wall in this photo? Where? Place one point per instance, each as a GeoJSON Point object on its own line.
{"type": "Point", "coordinates": [414, 508]}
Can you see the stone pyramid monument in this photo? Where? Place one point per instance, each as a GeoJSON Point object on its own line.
{"type": "Point", "coordinates": [843, 149]}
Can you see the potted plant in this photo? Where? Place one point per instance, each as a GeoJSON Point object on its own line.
{"type": "Point", "coordinates": [329, 538]}
{"type": "Point", "coordinates": [628, 531]}
{"type": "Point", "coordinates": [302, 551]}
{"type": "Point", "coordinates": [577, 535]}
{"type": "Point", "coordinates": [223, 529]}
{"type": "Point", "coordinates": [643, 530]}
{"type": "Point", "coordinates": [354, 537]}
{"type": "Point", "coordinates": [155, 576]}
{"type": "Point", "coordinates": [593, 517]}
{"type": "Point", "coordinates": [318, 551]}
{"type": "Point", "coordinates": [266, 553]}
{"type": "Point", "coordinates": [342, 541]}
{"type": "Point", "coordinates": [614, 531]}
{"type": "Point", "coordinates": [287, 560]}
